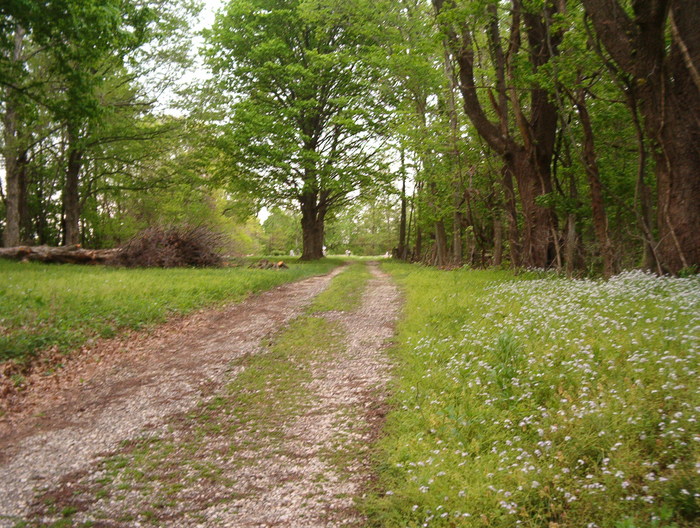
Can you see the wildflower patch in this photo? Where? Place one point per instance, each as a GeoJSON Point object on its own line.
{"type": "Point", "coordinates": [542, 401]}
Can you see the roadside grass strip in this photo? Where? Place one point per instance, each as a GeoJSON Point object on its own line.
{"type": "Point", "coordinates": [208, 458]}
{"type": "Point", "coordinates": [62, 306]}
{"type": "Point", "coordinates": [541, 401]}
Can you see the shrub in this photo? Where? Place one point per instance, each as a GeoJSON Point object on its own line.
{"type": "Point", "coordinates": [173, 247]}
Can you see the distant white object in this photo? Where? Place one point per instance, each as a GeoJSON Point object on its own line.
{"type": "Point", "coordinates": [347, 252]}
{"type": "Point", "coordinates": [324, 250]}
{"type": "Point", "coordinates": [387, 255]}
{"type": "Point", "coordinates": [292, 253]}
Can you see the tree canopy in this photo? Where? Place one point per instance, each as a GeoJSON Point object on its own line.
{"type": "Point", "coordinates": [300, 119]}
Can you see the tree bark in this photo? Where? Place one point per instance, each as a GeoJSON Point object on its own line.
{"type": "Point", "coordinates": [456, 158]}
{"type": "Point", "coordinates": [529, 161]}
{"type": "Point", "coordinates": [418, 251]}
{"type": "Point", "coordinates": [12, 152]}
{"type": "Point", "coordinates": [669, 96]}
{"type": "Point", "coordinates": [401, 250]}
{"type": "Point", "coordinates": [71, 190]}
{"type": "Point", "coordinates": [590, 163]}
{"type": "Point", "coordinates": [313, 214]}
{"type": "Point", "coordinates": [497, 239]}
{"type": "Point", "coordinates": [440, 244]}
{"type": "Point", "coordinates": [512, 216]}
{"type": "Point", "coordinates": [457, 232]}
{"type": "Point", "coordinates": [60, 255]}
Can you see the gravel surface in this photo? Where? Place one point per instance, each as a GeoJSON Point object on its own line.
{"type": "Point", "coordinates": [56, 450]}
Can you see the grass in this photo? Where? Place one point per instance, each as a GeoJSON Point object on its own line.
{"type": "Point", "coordinates": [541, 401]}
{"type": "Point", "coordinates": [62, 306]}
{"type": "Point", "coordinates": [345, 292]}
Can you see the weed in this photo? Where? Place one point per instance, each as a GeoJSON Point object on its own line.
{"type": "Point", "coordinates": [345, 292]}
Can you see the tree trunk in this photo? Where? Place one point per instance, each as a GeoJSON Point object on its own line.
{"type": "Point", "coordinates": [457, 235]}
{"type": "Point", "coordinates": [25, 221]}
{"type": "Point", "coordinates": [456, 158]}
{"type": "Point", "coordinates": [528, 161]}
{"type": "Point", "coordinates": [313, 213]}
{"type": "Point", "coordinates": [71, 191]}
{"type": "Point", "coordinates": [60, 255]}
{"type": "Point", "coordinates": [497, 239]}
{"type": "Point", "coordinates": [665, 80]}
{"type": "Point", "coordinates": [418, 252]}
{"type": "Point", "coordinates": [538, 223]}
{"type": "Point", "coordinates": [13, 157]}
{"type": "Point", "coordinates": [440, 244]}
{"type": "Point", "coordinates": [401, 250]}
{"type": "Point", "coordinates": [590, 163]}
{"type": "Point", "coordinates": [512, 215]}
{"type": "Point", "coordinates": [13, 185]}
{"type": "Point", "coordinates": [678, 187]}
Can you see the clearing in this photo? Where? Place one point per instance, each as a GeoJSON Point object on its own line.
{"type": "Point", "coordinates": [250, 415]}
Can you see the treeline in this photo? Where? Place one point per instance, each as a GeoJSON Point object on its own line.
{"type": "Point", "coordinates": [550, 133]}
{"type": "Point", "coordinates": [532, 133]}
{"type": "Point", "coordinates": [84, 150]}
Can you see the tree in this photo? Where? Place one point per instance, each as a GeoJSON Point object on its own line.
{"type": "Point", "coordinates": [14, 134]}
{"type": "Point", "coordinates": [296, 106]}
{"type": "Point", "coordinates": [527, 154]}
{"type": "Point", "coordinates": [73, 81]}
{"type": "Point", "coordinates": [283, 232]}
{"type": "Point", "coordinates": [657, 45]}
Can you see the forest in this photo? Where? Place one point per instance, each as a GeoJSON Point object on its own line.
{"type": "Point", "coordinates": [544, 134]}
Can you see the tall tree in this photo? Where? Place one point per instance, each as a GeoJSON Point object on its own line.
{"type": "Point", "coordinates": [14, 137]}
{"type": "Point", "coordinates": [527, 153]}
{"type": "Point", "coordinates": [297, 105]}
{"type": "Point", "coordinates": [657, 44]}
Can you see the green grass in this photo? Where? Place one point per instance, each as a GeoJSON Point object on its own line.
{"type": "Point", "coordinates": [345, 292]}
{"type": "Point", "coordinates": [62, 306]}
{"type": "Point", "coordinates": [548, 402]}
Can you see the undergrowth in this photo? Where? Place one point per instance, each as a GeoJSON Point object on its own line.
{"type": "Point", "coordinates": [62, 306]}
{"type": "Point", "coordinates": [549, 402]}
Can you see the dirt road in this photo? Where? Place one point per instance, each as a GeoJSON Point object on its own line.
{"type": "Point", "coordinates": [157, 435]}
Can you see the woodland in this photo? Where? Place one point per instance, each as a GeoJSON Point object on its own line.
{"type": "Point", "coordinates": [550, 134]}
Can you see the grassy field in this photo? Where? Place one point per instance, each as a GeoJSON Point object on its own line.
{"type": "Point", "coordinates": [542, 402]}
{"type": "Point", "coordinates": [44, 306]}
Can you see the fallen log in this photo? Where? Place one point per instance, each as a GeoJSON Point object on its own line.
{"type": "Point", "coordinates": [60, 255]}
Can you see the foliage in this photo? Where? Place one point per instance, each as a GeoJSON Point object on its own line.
{"type": "Point", "coordinates": [364, 228]}
{"type": "Point", "coordinates": [83, 96]}
{"type": "Point", "coordinates": [282, 232]}
{"type": "Point", "coordinates": [62, 306]}
{"type": "Point", "coordinates": [294, 101]}
{"type": "Point", "coordinates": [542, 401]}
